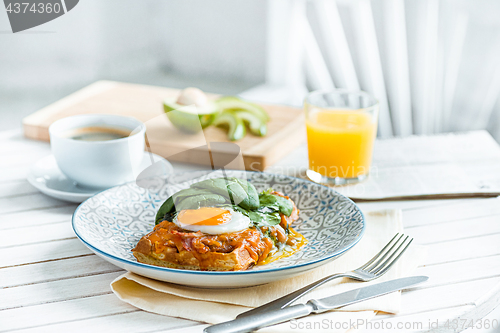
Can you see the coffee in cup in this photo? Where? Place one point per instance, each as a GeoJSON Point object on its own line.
{"type": "Point", "coordinates": [98, 150]}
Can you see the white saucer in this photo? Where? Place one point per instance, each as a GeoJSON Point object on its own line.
{"type": "Point", "coordinates": [46, 176]}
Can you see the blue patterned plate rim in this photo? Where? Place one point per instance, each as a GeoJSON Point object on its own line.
{"type": "Point", "coordinates": [248, 272]}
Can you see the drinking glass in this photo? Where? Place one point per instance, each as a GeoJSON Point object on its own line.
{"type": "Point", "coordinates": [341, 128]}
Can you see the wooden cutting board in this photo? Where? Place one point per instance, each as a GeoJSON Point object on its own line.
{"type": "Point", "coordinates": [286, 128]}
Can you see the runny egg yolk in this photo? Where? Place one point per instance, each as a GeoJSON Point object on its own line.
{"type": "Point", "coordinates": [204, 216]}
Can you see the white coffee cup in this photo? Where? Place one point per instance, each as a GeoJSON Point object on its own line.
{"type": "Point", "coordinates": [98, 164]}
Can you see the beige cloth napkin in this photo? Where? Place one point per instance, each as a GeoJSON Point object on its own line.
{"type": "Point", "coordinates": [218, 305]}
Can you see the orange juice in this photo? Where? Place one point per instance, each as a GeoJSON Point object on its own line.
{"type": "Point", "coordinates": [340, 142]}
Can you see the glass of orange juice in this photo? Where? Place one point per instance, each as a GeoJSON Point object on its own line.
{"type": "Point", "coordinates": [341, 128]}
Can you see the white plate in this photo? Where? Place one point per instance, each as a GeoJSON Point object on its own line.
{"type": "Point", "coordinates": [112, 222]}
{"type": "Point", "coordinates": [46, 176]}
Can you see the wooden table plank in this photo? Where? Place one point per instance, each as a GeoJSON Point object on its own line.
{"type": "Point", "coordinates": [192, 329]}
{"type": "Point", "coordinates": [36, 234]}
{"type": "Point", "coordinates": [54, 250]}
{"type": "Point", "coordinates": [56, 291]}
{"type": "Point", "coordinates": [462, 249]}
{"type": "Point", "coordinates": [64, 311]}
{"type": "Point", "coordinates": [453, 272]}
{"type": "Point", "coordinates": [411, 205]}
{"type": "Point", "coordinates": [419, 322]}
{"type": "Point", "coordinates": [20, 158]}
{"type": "Point", "coordinates": [454, 230]}
{"type": "Point", "coordinates": [21, 219]}
{"type": "Point", "coordinates": [55, 270]}
{"type": "Point", "coordinates": [451, 211]}
{"type": "Point", "coordinates": [29, 202]}
{"type": "Point", "coordinates": [446, 296]}
{"type": "Point", "coordinates": [138, 321]}
{"type": "Point", "coordinates": [13, 173]}
{"type": "Point", "coordinates": [16, 188]}
{"type": "Point", "coordinates": [18, 144]}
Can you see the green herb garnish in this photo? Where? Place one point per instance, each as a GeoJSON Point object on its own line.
{"type": "Point", "coordinates": [263, 209]}
{"type": "Point", "coordinates": [275, 202]}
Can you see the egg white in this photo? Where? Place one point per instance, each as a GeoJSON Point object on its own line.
{"type": "Point", "coordinates": [236, 222]}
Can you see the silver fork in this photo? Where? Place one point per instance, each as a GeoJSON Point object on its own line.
{"type": "Point", "coordinates": [373, 269]}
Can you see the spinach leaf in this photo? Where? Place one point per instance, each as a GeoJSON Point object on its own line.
{"type": "Point", "coordinates": [252, 200]}
{"type": "Point", "coordinates": [263, 209]}
{"type": "Point", "coordinates": [276, 202]}
{"type": "Point", "coordinates": [238, 191]}
{"type": "Point", "coordinates": [260, 219]}
{"type": "Point", "coordinates": [211, 192]}
{"type": "Point", "coordinates": [217, 185]}
{"type": "Point", "coordinates": [165, 208]}
{"type": "Point", "coordinates": [263, 217]}
{"type": "Point", "coordinates": [202, 199]}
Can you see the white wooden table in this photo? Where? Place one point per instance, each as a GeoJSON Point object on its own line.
{"type": "Point", "coordinates": [51, 282]}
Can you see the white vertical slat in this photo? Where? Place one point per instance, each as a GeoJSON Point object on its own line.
{"type": "Point", "coordinates": [278, 31]}
{"type": "Point", "coordinates": [394, 57]}
{"type": "Point", "coordinates": [285, 50]}
{"type": "Point", "coordinates": [436, 119]}
{"type": "Point", "coordinates": [428, 36]}
{"type": "Point", "coordinates": [423, 50]}
{"type": "Point", "coordinates": [492, 87]}
{"type": "Point", "coordinates": [368, 59]}
{"type": "Point", "coordinates": [494, 125]}
{"type": "Point", "coordinates": [295, 67]}
{"type": "Point", "coordinates": [337, 53]}
{"type": "Point", "coordinates": [478, 94]}
{"type": "Point", "coordinates": [316, 70]}
{"type": "Point", "coordinates": [453, 42]}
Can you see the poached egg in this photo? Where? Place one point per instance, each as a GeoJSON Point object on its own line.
{"type": "Point", "coordinates": [212, 220]}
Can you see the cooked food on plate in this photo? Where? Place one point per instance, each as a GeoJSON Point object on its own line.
{"type": "Point", "coordinates": [221, 224]}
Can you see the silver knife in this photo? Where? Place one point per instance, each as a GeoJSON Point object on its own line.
{"type": "Point", "coordinates": [254, 322]}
